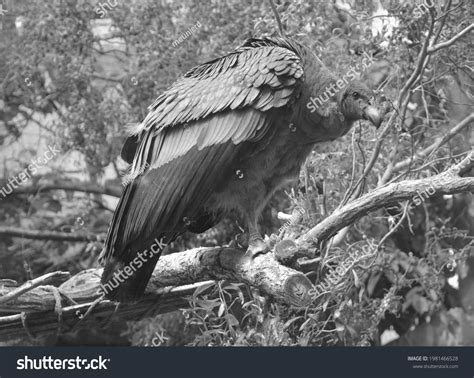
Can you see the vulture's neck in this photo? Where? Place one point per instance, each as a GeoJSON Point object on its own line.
{"type": "Point", "coordinates": [327, 127]}
{"type": "Point", "coordinates": [327, 122]}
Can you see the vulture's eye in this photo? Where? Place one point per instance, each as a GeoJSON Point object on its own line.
{"type": "Point", "coordinates": [355, 94]}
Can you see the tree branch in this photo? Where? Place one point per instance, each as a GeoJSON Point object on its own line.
{"type": "Point", "coordinates": [449, 42]}
{"type": "Point", "coordinates": [277, 17]}
{"type": "Point", "coordinates": [443, 183]}
{"type": "Point", "coordinates": [46, 279]}
{"type": "Point", "coordinates": [46, 322]}
{"type": "Point", "coordinates": [432, 148]}
{"type": "Point", "coordinates": [48, 235]}
{"type": "Point", "coordinates": [75, 186]}
{"type": "Point", "coordinates": [182, 270]}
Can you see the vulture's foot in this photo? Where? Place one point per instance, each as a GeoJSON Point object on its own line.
{"type": "Point", "coordinates": [256, 247]}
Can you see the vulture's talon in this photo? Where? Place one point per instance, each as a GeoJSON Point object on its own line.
{"type": "Point", "coordinates": [256, 247]}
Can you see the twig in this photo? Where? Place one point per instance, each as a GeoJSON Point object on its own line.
{"type": "Point", "coordinates": [277, 17]}
{"type": "Point", "coordinates": [449, 42]}
{"type": "Point", "coordinates": [56, 277]}
{"type": "Point", "coordinates": [394, 228]}
{"type": "Point", "coordinates": [434, 147]}
{"type": "Point", "coordinates": [443, 18]}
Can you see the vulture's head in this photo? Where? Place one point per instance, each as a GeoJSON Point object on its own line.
{"type": "Point", "coordinates": [359, 102]}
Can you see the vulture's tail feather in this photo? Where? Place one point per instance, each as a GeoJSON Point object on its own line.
{"type": "Point", "coordinates": [128, 267]}
{"type": "Point", "coordinates": [126, 282]}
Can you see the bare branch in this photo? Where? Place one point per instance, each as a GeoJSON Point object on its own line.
{"type": "Point", "coordinates": [420, 64]}
{"type": "Point", "coordinates": [444, 183]}
{"type": "Point", "coordinates": [74, 186]}
{"type": "Point", "coordinates": [45, 322]}
{"type": "Point", "coordinates": [449, 42]}
{"type": "Point", "coordinates": [442, 20]}
{"type": "Point", "coordinates": [49, 235]}
{"type": "Point", "coordinates": [435, 146]}
{"type": "Point", "coordinates": [277, 17]}
{"type": "Point", "coordinates": [47, 279]}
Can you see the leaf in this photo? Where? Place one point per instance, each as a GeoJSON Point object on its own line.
{"type": "Point", "coordinates": [340, 327]}
{"type": "Point", "coordinates": [421, 304]}
{"type": "Point", "coordinates": [356, 278]}
{"type": "Point", "coordinates": [305, 324]}
{"type": "Point", "coordinates": [290, 322]}
{"type": "Point", "coordinates": [208, 305]}
{"type": "Point", "coordinates": [361, 293]}
{"type": "Point", "coordinates": [202, 288]}
{"type": "Point", "coordinates": [416, 300]}
{"type": "Point", "coordinates": [325, 305]}
{"type": "Point", "coordinates": [221, 310]}
{"type": "Point", "coordinates": [232, 320]}
{"type": "Point", "coordinates": [373, 280]}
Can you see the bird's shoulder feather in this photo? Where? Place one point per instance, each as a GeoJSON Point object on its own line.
{"type": "Point", "coordinates": [226, 99]}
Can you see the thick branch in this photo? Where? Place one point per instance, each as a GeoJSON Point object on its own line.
{"type": "Point", "coordinates": [76, 186]}
{"type": "Point", "coordinates": [445, 183]}
{"type": "Point", "coordinates": [48, 235]}
{"type": "Point", "coordinates": [46, 322]}
{"type": "Point", "coordinates": [182, 270]}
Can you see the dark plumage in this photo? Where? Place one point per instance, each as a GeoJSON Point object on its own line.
{"type": "Point", "coordinates": [223, 138]}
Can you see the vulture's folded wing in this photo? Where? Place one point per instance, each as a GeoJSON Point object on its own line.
{"type": "Point", "coordinates": [193, 133]}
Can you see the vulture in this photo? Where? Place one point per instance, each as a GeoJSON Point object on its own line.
{"type": "Point", "coordinates": [221, 140]}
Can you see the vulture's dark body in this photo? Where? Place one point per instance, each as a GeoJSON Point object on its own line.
{"type": "Point", "coordinates": [223, 138]}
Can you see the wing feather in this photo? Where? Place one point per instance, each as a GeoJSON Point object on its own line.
{"type": "Point", "coordinates": [194, 131]}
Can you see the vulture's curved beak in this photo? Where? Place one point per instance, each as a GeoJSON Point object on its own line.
{"type": "Point", "coordinates": [374, 115]}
